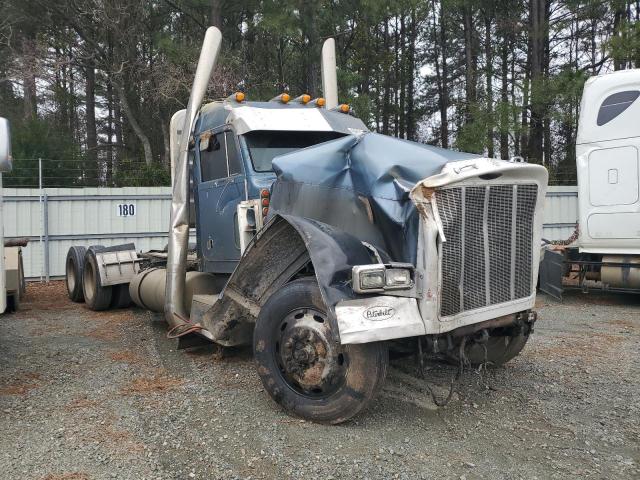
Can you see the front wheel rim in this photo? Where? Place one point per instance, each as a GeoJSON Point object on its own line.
{"type": "Point", "coordinates": [309, 360]}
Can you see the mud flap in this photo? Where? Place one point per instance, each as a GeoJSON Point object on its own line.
{"type": "Point", "coordinates": [551, 270]}
{"type": "Point", "coordinates": [192, 340]}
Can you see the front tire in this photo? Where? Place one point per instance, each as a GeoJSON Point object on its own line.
{"type": "Point", "coordinates": [301, 365]}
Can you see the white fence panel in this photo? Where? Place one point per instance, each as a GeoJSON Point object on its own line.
{"type": "Point", "coordinates": [63, 217]}
{"type": "Point", "coordinates": [92, 216]}
{"type": "Point", "coordinates": [560, 212]}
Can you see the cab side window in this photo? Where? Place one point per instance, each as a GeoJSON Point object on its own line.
{"type": "Point", "coordinates": [235, 165]}
{"type": "Point", "coordinates": [213, 158]}
{"type": "Point", "coordinates": [219, 156]}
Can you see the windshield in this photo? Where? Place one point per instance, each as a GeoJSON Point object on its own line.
{"type": "Point", "coordinates": [265, 145]}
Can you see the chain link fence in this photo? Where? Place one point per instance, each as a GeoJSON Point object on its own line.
{"type": "Point", "coordinates": [60, 173]}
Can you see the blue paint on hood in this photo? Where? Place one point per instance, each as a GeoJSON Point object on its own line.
{"type": "Point", "coordinates": [360, 184]}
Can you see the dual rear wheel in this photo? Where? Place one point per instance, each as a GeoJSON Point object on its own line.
{"type": "Point", "coordinates": [84, 285]}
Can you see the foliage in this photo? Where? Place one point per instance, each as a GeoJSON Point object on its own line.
{"type": "Point", "coordinates": [138, 174]}
{"type": "Point", "coordinates": [91, 85]}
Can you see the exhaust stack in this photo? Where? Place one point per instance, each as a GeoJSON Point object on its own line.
{"type": "Point", "coordinates": [329, 73]}
{"type": "Point", "coordinates": [174, 308]}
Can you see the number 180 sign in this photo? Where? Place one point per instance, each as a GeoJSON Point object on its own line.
{"type": "Point", "coordinates": [126, 210]}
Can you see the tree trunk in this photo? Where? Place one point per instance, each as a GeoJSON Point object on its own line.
{"type": "Point", "coordinates": [524, 125]}
{"type": "Point", "coordinates": [470, 63]}
{"type": "Point", "coordinates": [90, 114]}
{"type": "Point", "coordinates": [166, 138]}
{"type": "Point", "coordinates": [488, 52]}
{"type": "Point", "coordinates": [411, 68]}
{"type": "Point", "coordinates": [310, 33]}
{"type": "Point", "coordinates": [73, 111]}
{"type": "Point", "coordinates": [514, 112]}
{"type": "Point", "coordinates": [443, 81]}
{"type": "Point", "coordinates": [538, 33]}
{"type": "Point", "coordinates": [401, 68]}
{"type": "Point", "coordinates": [215, 15]}
{"type": "Point", "coordinates": [504, 100]}
{"type": "Point", "coordinates": [110, 134]}
{"type": "Point", "coordinates": [135, 126]}
{"type": "Point", "coordinates": [386, 99]}
{"type": "Point", "coordinates": [30, 100]}
{"type": "Point", "coordinates": [618, 17]}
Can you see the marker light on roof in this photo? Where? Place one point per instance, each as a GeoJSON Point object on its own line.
{"type": "Point", "coordinates": [318, 102]}
{"type": "Point", "coordinates": [342, 108]}
{"type": "Point", "coordinates": [303, 99]}
{"type": "Point", "coordinates": [283, 97]}
{"type": "Point", "coordinates": [239, 97]}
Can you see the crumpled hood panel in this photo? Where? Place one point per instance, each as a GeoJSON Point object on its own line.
{"type": "Point", "coordinates": [360, 184]}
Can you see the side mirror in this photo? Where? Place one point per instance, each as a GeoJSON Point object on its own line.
{"type": "Point", "coordinates": [5, 145]}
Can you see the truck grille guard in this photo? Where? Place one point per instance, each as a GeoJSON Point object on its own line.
{"type": "Point", "coordinates": [479, 250]}
{"type": "Point", "coordinates": [487, 256]}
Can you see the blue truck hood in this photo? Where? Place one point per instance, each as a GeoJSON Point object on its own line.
{"type": "Point", "coordinates": [360, 184]}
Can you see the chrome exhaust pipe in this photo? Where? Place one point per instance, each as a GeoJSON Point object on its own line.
{"type": "Point", "coordinates": [174, 308]}
{"type": "Point", "coordinates": [329, 73]}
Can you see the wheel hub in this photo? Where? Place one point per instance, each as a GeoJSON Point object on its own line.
{"type": "Point", "coordinates": [308, 357]}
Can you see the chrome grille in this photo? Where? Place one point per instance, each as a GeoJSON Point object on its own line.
{"type": "Point", "coordinates": [486, 259]}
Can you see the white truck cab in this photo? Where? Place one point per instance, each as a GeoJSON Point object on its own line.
{"type": "Point", "coordinates": [607, 252]}
{"type": "Point", "coordinates": [608, 161]}
{"type": "Point", "coordinates": [5, 166]}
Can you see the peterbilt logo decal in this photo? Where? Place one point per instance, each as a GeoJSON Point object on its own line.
{"type": "Point", "coordinates": [379, 313]}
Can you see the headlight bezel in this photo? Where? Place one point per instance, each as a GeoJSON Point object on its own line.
{"type": "Point", "coordinates": [368, 272]}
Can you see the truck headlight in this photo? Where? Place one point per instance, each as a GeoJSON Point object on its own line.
{"type": "Point", "coordinates": [378, 277]}
{"type": "Point", "coordinates": [372, 279]}
{"type": "Point", "coordinates": [398, 278]}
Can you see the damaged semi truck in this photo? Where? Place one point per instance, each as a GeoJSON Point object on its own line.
{"type": "Point", "coordinates": [324, 245]}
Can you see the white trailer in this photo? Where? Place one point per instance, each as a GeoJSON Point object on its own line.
{"type": "Point", "coordinates": [11, 273]}
{"type": "Point", "coordinates": [607, 252]}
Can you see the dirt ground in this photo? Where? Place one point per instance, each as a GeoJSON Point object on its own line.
{"type": "Point", "coordinates": [88, 395]}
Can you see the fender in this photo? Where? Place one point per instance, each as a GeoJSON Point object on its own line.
{"type": "Point", "coordinates": [281, 250]}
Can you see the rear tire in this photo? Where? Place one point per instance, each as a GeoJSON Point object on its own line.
{"type": "Point", "coordinates": [74, 266]}
{"type": "Point", "coordinates": [301, 365]}
{"type": "Point", "coordinates": [96, 296]}
{"type": "Point", "coordinates": [120, 297]}
{"type": "Point", "coordinates": [13, 302]}
{"type": "Point", "coordinates": [14, 299]}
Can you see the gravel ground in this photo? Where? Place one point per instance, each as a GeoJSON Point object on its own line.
{"type": "Point", "coordinates": [87, 395]}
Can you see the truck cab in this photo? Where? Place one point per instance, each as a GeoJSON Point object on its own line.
{"type": "Point", "coordinates": [235, 142]}
{"type": "Point", "coordinates": [608, 164]}
{"type": "Point", "coordinates": [604, 253]}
